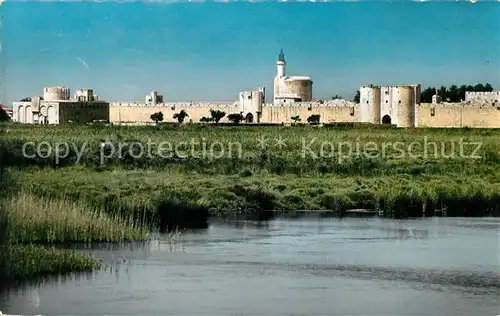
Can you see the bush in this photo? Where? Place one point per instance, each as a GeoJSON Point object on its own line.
{"type": "Point", "coordinates": [180, 116]}
{"type": "Point", "coordinates": [235, 118]}
{"type": "Point", "coordinates": [217, 115]}
{"type": "Point", "coordinates": [4, 117]}
{"type": "Point", "coordinates": [313, 119]}
{"type": "Point", "coordinates": [206, 119]}
{"type": "Point", "coordinates": [157, 117]}
{"type": "Point", "coordinates": [295, 118]}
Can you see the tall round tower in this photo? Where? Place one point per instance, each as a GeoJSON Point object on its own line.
{"type": "Point", "coordinates": [369, 99]}
{"type": "Point", "coordinates": [406, 106]}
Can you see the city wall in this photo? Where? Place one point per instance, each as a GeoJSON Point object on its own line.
{"type": "Point", "coordinates": [329, 112]}
{"type": "Point", "coordinates": [427, 115]}
{"type": "Point", "coordinates": [458, 115]}
{"type": "Point", "coordinates": [141, 113]}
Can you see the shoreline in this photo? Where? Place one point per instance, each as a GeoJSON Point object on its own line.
{"type": "Point", "coordinates": [74, 263]}
{"type": "Point", "coordinates": [351, 213]}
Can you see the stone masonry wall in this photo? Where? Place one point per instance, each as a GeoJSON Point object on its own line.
{"type": "Point", "coordinates": [141, 113]}
{"type": "Point", "coordinates": [332, 111]}
{"type": "Point", "coordinates": [458, 115]}
{"type": "Point", "coordinates": [428, 115]}
{"type": "Point", "coordinates": [329, 113]}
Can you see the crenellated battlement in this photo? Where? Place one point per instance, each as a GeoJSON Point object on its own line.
{"type": "Point", "coordinates": [179, 105]}
{"type": "Point", "coordinates": [455, 105]}
{"type": "Point", "coordinates": [463, 114]}
{"type": "Point", "coordinates": [318, 104]}
{"type": "Point", "coordinates": [227, 104]}
{"type": "Point", "coordinates": [482, 96]}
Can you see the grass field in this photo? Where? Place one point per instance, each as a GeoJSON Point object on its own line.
{"type": "Point", "coordinates": [108, 183]}
{"type": "Point", "coordinates": [161, 171]}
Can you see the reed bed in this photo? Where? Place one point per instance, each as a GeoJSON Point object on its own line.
{"type": "Point", "coordinates": [29, 224]}
{"type": "Point", "coordinates": [172, 192]}
{"type": "Point", "coordinates": [34, 219]}
{"type": "Point", "coordinates": [23, 262]}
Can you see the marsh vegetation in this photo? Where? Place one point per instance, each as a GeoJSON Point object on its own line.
{"type": "Point", "coordinates": [109, 183]}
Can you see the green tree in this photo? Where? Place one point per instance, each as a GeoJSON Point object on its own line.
{"type": "Point", "coordinates": [336, 97]}
{"type": "Point", "coordinates": [236, 118]}
{"type": "Point", "coordinates": [443, 93]}
{"type": "Point", "coordinates": [217, 115]}
{"type": "Point", "coordinates": [461, 92]}
{"type": "Point", "coordinates": [180, 116]}
{"type": "Point", "coordinates": [479, 87]}
{"type": "Point", "coordinates": [157, 117]}
{"type": "Point", "coordinates": [206, 119]}
{"type": "Point", "coordinates": [295, 118]}
{"type": "Point", "coordinates": [313, 119]}
{"type": "Point", "coordinates": [426, 95]}
{"type": "Point", "coordinates": [453, 94]}
{"type": "Point", "coordinates": [357, 97]}
{"type": "Point", "coordinates": [4, 117]}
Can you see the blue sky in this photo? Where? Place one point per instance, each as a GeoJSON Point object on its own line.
{"type": "Point", "coordinates": [211, 51]}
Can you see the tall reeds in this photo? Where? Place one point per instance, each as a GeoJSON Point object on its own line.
{"type": "Point", "coordinates": [23, 262]}
{"type": "Point", "coordinates": [39, 220]}
{"type": "Point", "coordinates": [30, 226]}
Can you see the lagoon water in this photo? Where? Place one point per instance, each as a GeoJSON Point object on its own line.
{"type": "Point", "coordinates": [307, 266]}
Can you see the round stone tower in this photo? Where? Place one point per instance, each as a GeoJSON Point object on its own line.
{"type": "Point", "coordinates": [369, 99]}
{"type": "Point", "coordinates": [405, 101]}
{"type": "Point", "coordinates": [56, 93]}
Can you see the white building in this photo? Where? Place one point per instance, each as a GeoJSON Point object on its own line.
{"type": "Point", "coordinates": [290, 89]}
{"type": "Point", "coordinates": [396, 105]}
{"type": "Point", "coordinates": [436, 99]}
{"type": "Point", "coordinates": [153, 98]}
{"type": "Point", "coordinates": [56, 107]}
{"type": "Point", "coordinates": [250, 103]}
{"type": "Point", "coordinates": [482, 97]}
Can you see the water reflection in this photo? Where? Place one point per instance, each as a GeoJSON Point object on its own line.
{"type": "Point", "coordinates": [27, 287]}
{"type": "Point", "coordinates": [444, 262]}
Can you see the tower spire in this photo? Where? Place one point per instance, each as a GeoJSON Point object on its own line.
{"type": "Point", "coordinates": [281, 56]}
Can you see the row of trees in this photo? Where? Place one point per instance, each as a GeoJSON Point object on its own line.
{"type": "Point", "coordinates": [313, 119]}
{"type": "Point", "coordinates": [452, 94]}
{"type": "Point", "coordinates": [180, 117]}
{"type": "Point", "coordinates": [215, 116]}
